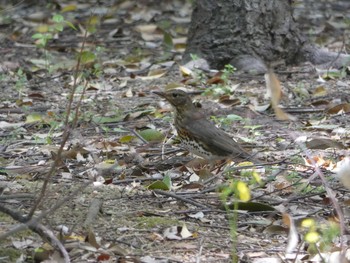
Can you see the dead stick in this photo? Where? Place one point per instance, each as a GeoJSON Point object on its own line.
{"type": "Point", "coordinates": [186, 200]}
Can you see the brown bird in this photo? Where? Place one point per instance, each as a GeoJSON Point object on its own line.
{"type": "Point", "coordinates": [197, 134]}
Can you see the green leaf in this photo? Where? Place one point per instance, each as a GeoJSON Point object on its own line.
{"type": "Point", "coordinates": [234, 117]}
{"type": "Point", "coordinates": [92, 23]}
{"type": "Point", "coordinates": [42, 42]}
{"type": "Point", "coordinates": [87, 57]}
{"type": "Point", "coordinates": [167, 181]}
{"type": "Point", "coordinates": [167, 40]}
{"type": "Point", "coordinates": [91, 29]}
{"type": "Point", "coordinates": [57, 18]}
{"type": "Point", "coordinates": [158, 185]}
{"type": "Point", "coordinates": [126, 138]}
{"type": "Point", "coordinates": [117, 129]}
{"type": "Point", "coordinates": [59, 27]}
{"type": "Point", "coordinates": [70, 25]}
{"type": "Point", "coordinates": [152, 135]}
{"type": "Point", "coordinates": [42, 38]}
{"type": "Point", "coordinates": [69, 8]}
{"type": "Point", "coordinates": [39, 250]}
{"type": "Point", "coordinates": [99, 119]}
{"type": "Point", "coordinates": [253, 127]}
{"type": "Point", "coordinates": [34, 117]}
{"type": "Point", "coordinates": [37, 36]}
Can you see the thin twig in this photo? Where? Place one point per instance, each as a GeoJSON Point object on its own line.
{"type": "Point", "coordinates": [54, 240]}
{"type": "Point", "coordinates": [134, 180]}
{"type": "Point", "coordinates": [138, 135]}
{"type": "Point", "coordinates": [198, 257]}
{"type": "Point", "coordinates": [186, 200]}
{"type": "Point", "coordinates": [17, 196]}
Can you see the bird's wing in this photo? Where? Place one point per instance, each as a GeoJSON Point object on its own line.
{"type": "Point", "coordinates": [215, 139]}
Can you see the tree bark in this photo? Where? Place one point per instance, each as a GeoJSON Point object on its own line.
{"type": "Point", "coordinates": [249, 34]}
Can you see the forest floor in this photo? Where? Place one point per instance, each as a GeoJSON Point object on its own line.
{"type": "Point", "coordinates": [108, 199]}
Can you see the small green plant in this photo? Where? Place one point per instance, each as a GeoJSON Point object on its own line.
{"type": "Point", "coordinates": [312, 189]}
{"type": "Point", "coordinates": [56, 27]}
{"type": "Point", "coordinates": [20, 82]}
{"type": "Point", "coordinates": [241, 192]}
{"type": "Point", "coordinates": [293, 176]}
{"type": "Point", "coordinates": [198, 74]}
{"type": "Point", "coordinates": [320, 237]}
{"type": "Point", "coordinates": [97, 67]}
{"type": "Point", "coordinates": [227, 72]}
{"type": "Point", "coordinates": [301, 90]}
{"type": "Point", "coordinates": [329, 232]}
{"type": "Point", "coordinates": [223, 87]}
{"type": "Point", "coordinates": [42, 38]}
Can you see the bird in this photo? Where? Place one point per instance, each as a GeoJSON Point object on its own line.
{"type": "Point", "coordinates": [197, 134]}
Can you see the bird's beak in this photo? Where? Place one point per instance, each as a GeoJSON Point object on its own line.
{"type": "Point", "coordinates": [159, 93]}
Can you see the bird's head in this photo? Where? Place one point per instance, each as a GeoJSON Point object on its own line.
{"type": "Point", "coordinates": [178, 98]}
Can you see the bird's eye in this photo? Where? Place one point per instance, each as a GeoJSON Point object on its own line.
{"type": "Point", "coordinates": [174, 95]}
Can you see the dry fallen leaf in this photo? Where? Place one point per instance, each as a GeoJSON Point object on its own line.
{"type": "Point", "coordinates": [274, 91]}
{"type": "Point", "coordinates": [293, 237]}
{"type": "Point", "coordinates": [339, 109]}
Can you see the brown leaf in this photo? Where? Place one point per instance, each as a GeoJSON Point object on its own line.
{"type": "Point", "coordinates": [323, 143]}
{"type": "Point", "coordinates": [274, 90]}
{"type": "Point", "coordinates": [293, 237]}
{"type": "Point", "coordinates": [91, 239]}
{"type": "Point", "coordinates": [226, 100]}
{"type": "Point", "coordinates": [215, 80]}
{"type": "Point", "coordinates": [340, 108]}
{"type": "Point", "coordinates": [320, 91]}
{"type": "Point", "coordinates": [273, 87]}
{"type": "Point", "coordinates": [320, 103]}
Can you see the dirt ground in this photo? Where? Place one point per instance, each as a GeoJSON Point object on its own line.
{"type": "Point", "coordinates": [107, 201]}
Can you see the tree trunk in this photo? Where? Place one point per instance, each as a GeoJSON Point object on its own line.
{"type": "Point", "coordinates": [249, 34]}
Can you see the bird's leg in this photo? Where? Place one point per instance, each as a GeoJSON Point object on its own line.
{"type": "Point", "coordinates": [213, 164]}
